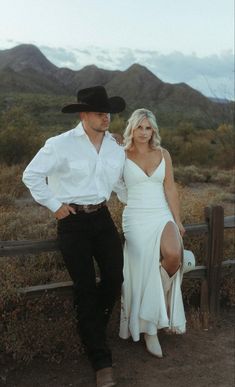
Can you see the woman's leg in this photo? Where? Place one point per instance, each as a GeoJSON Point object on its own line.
{"type": "Point", "coordinates": [172, 255]}
{"type": "Point", "coordinates": [171, 252]}
{"type": "Point", "coordinates": [171, 248]}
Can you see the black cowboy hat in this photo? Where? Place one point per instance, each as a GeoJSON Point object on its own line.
{"type": "Point", "coordinates": [95, 99]}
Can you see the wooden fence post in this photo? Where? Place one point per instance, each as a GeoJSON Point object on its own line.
{"type": "Point", "coordinates": [215, 219]}
{"type": "Point", "coordinates": [204, 304]}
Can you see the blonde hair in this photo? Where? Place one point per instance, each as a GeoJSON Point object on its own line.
{"type": "Point", "coordinates": [134, 121]}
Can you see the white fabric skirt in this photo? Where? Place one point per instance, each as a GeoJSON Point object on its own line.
{"type": "Point", "coordinates": [143, 303]}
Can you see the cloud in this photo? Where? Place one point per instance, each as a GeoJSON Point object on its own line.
{"type": "Point", "coordinates": [212, 75]}
{"type": "Point", "coordinates": [60, 56]}
{"type": "Point", "coordinates": [177, 65]}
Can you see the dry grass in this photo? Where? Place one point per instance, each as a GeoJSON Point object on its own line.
{"type": "Point", "coordinates": [21, 218]}
{"type": "Point", "coordinates": [10, 180]}
{"type": "Point", "coordinates": [46, 326]}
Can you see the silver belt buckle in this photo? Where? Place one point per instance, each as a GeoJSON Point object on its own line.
{"type": "Point", "coordinates": [87, 210]}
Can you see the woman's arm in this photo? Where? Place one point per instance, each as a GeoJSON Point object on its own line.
{"type": "Point", "coordinates": [171, 192]}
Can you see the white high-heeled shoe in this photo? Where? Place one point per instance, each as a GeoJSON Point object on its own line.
{"type": "Point", "coordinates": [153, 345]}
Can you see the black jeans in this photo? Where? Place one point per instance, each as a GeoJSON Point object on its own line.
{"type": "Point", "coordinates": [83, 237]}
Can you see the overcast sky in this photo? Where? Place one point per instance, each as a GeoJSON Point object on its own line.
{"type": "Point", "coordinates": [201, 26]}
{"type": "Point", "coordinates": [194, 28]}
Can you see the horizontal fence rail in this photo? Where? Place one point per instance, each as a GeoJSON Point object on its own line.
{"type": "Point", "coordinates": [13, 248]}
{"type": "Point", "coordinates": [210, 274]}
{"type": "Point", "coordinates": [66, 287]}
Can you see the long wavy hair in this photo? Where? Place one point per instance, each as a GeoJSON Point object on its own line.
{"type": "Point", "coordinates": [135, 119]}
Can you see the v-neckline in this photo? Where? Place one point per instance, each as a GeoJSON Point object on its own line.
{"type": "Point", "coordinates": [143, 170]}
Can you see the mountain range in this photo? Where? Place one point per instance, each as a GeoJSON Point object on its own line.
{"type": "Point", "coordinates": [24, 69]}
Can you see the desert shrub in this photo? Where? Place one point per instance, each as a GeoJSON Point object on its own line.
{"type": "Point", "coordinates": [188, 174]}
{"type": "Point", "coordinates": [224, 142]}
{"type": "Point", "coordinates": [223, 177]}
{"type": "Point", "coordinates": [15, 147]}
{"type": "Point", "coordinates": [46, 326]}
{"type": "Point", "coordinates": [117, 124]}
{"type": "Point", "coordinates": [231, 187]}
{"type": "Point", "coordinates": [208, 147]}
{"type": "Point", "coordinates": [194, 174]}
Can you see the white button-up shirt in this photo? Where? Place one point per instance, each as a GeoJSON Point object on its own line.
{"type": "Point", "coordinates": [75, 171]}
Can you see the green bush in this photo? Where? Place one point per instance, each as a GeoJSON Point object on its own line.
{"type": "Point", "coordinates": [208, 147]}
{"type": "Point", "coordinates": [19, 138]}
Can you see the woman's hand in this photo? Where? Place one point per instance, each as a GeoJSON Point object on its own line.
{"type": "Point", "coordinates": [181, 228]}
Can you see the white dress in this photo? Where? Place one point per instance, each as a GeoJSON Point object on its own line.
{"type": "Point", "coordinates": [146, 214]}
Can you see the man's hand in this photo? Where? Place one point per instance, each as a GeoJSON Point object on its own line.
{"type": "Point", "coordinates": [64, 211]}
{"type": "Point", "coordinates": [118, 137]}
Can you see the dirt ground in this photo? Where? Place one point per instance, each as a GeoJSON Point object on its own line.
{"type": "Point", "coordinates": [197, 359]}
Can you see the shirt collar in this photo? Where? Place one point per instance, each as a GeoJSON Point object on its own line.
{"type": "Point", "coordinates": [79, 131]}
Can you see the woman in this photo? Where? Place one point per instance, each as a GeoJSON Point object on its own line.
{"type": "Point", "coordinates": [151, 296]}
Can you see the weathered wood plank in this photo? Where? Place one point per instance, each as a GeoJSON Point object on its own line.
{"type": "Point", "coordinates": [229, 221]}
{"type": "Point", "coordinates": [196, 228]}
{"type": "Point", "coordinates": [14, 248]}
{"type": "Point", "coordinates": [62, 288]}
{"type": "Point", "coordinates": [198, 273]}
{"type": "Point", "coordinates": [65, 288]}
{"type": "Point", "coordinates": [215, 218]}
{"type": "Point", "coordinates": [204, 304]}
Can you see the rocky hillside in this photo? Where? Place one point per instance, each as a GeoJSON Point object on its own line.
{"type": "Point", "coordinates": [24, 69]}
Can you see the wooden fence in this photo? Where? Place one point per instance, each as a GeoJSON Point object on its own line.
{"type": "Point", "coordinates": [210, 274]}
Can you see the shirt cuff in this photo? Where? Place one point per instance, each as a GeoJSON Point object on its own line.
{"type": "Point", "coordinates": [53, 204]}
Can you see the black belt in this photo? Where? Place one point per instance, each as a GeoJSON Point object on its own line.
{"type": "Point", "coordinates": [87, 208]}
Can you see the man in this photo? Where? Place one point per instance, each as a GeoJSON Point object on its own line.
{"type": "Point", "coordinates": [73, 175]}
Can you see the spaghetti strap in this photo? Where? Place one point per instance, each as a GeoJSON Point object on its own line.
{"type": "Point", "coordinates": [161, 150]}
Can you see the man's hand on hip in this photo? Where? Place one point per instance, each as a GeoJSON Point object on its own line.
{"type": "Point", "coordinates": [64, 211]}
